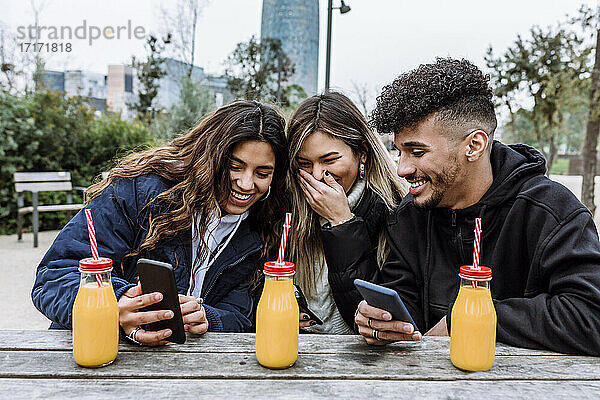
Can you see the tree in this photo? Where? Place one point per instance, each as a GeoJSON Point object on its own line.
{"type": "Point", "coordinates": [590, 153]}
{"type": "Point", "coordinates": [257, 70]}
{"type": "Point", "coordinates": [195, 102]}
{"type": "Point", "coordinates": [149, 73]}
{"type": "Point", "coordinates": [42, 131]}
{"type": "Point", "coordinates": [10, 67]}
{"type": "Point", "coordinates": [363, 95]}
{"type": "Point", "coordinates": [38, 74]}
{"type": "Point", "coordinates": [182, 25]}
{"type": "Point", "coordinates": [549, 69]}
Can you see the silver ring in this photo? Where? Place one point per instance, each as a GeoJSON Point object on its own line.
{"type": "Point", "coordinates": [132, 334]}
{"type": "Point", "coordinates": [376, 334]}
{"type": "Point", "coordinates": [369, 323]}
{"type": "Point", "coordinates": [199, 300]}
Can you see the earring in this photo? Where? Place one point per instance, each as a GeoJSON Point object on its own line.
{"type": "Point", "coordinates": [362, 170]}
{"type": "Point", "coordinates": [266, 195]}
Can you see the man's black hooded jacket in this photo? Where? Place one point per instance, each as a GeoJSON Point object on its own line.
{"type": "Point", "coordinates": [539, 240]}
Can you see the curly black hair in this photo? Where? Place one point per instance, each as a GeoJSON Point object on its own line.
{"type": "Point", "coordinates": [455, 89]}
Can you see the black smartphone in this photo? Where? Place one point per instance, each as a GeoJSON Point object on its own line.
{"type": "Point", "coordinates": [156, 276]}
{"type": "Point", "coordinates": [303, 305]}
{"type": "Point", "coordinates": [386, 299]}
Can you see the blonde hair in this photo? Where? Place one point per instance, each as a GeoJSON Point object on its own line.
{"type": "Point", "coordinates": [334, 114]}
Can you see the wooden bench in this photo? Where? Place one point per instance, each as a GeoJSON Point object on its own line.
{"type": "Point", "coordinates": [36, 182]}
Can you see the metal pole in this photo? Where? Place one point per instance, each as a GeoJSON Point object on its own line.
{"type": "Point", "coordinates": [279, 78]}
{"type": "Point", "coordinates": [328, 54]}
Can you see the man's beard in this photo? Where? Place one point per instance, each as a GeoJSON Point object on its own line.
{"type": "Point", "coordinates": [443, 181]}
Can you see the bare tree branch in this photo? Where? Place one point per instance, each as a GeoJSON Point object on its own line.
{"type": "Point", "coordinates": [182, 23]}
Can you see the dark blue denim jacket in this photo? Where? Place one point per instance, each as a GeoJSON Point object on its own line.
{"type": "Point", "coordinates": [121, 220]}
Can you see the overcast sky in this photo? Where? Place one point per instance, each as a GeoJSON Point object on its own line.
{"type": "Point", "coordinates": [371, 45]}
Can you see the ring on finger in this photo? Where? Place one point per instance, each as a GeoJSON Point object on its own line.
{"type": "Point", "coordinates": [369, 323]}
{"type": "Point", "coordinates": [132, 334]}
{"type": "Point", "coordinates": [376, 334]}
{"type": "Point", "coordinates": [199, 300]}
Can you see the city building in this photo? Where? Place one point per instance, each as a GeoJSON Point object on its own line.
{"type": "Point", "coordinates": [79, 83]}
{"type": "Point", "coordinates": [116, 90]}
{"type": "Point", "coordinates": [296, 24]}
{"type": "Point", "coordinates": [170, 84]}
{"type": "Point", "coordinates": [119, 90]}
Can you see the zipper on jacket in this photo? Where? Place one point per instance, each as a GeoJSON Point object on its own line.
{"type": "Point", "coordinates": [460, 244]}
{"type": "Point", "coordinates": [205, 295]}
{"type": "Point", "coordinates": [459, 239]}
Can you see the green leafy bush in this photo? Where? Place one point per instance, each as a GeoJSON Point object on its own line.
{"type": "Point", "coordinates": [41, 131]}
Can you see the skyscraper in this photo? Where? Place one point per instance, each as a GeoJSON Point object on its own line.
{"type": "Point", "coordinates": [296, 24]}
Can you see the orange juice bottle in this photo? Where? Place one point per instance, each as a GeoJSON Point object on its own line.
{"type": "Point", "coordinates": [473, 321]}
{"type": "Point", "coordinates": [277, 318]}
{"type": "Point", "coordinates": [95, 315]}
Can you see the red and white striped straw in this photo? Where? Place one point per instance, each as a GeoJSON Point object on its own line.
{"type": "Point", "coordinates": [286, 229]}
{"type": "Point", "coordinates": [93, 244]}
{"type": "Point", "coordinates": [477, 243]}
{"type": "Point", "coordinates": [92, 233]}
{"type": "Point", "coordinates": [476, 248]}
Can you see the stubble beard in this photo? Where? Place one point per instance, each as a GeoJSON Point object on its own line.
{"type": "Point", "coordinates": [440, 183]}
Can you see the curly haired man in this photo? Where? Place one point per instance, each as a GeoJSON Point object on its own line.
{"type": "Point", "coordinates": [539, 240]}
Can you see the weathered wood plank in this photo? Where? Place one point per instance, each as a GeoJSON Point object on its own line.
{"type": "Point", "coordinates": [301, 390]}
{"type": "Point", "coordinates": [58, 207]}
{"type": "Point", "coordinates": [244, 342]}
{"type": "Point", "coordinates": [384, 365]}
{"type": "Point", "coordinates": [41, 176]}
{"type": "Point", "coordinates": [42, 186]}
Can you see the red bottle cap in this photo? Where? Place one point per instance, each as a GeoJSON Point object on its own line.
{"type": "Point", "coordinates": [95, 266]}
{"type": "Point", "coordinates": [475, 274]}
{"type": "Point", "coordinates": [283, 269]}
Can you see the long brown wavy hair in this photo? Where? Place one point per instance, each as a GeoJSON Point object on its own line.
{"type": "Point", "coordinates": [198, 164]}
{"type": "Point", "coordinates": [334, 114]}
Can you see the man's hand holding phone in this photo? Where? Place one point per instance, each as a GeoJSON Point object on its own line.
{"type": "Point", "coordinates": [131, 318]}
{"type": "Point", "coordinates": [378, 328]}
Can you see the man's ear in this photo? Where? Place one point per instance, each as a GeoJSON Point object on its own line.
{"type": "Point", "coordinates": [476, 145]}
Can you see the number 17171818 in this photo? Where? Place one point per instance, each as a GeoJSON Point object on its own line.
{"type": "Point", "coordinates": [51, 47]}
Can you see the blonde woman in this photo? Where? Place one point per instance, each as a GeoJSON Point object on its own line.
{"type": "Point", "coordinates": [343, 185]}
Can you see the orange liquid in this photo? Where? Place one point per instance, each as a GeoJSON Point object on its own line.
{"type": "Point", "coordinates": [473, 330]}
{"type": "Point", "coordinates": [95, 325]}
{"type": "Point", "coordinates": [277, 325]}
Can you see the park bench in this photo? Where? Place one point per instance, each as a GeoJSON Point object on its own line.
{"type": "Point", "coordinates": [36, 182]}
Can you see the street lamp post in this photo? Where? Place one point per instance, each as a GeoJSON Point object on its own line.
{"type": "Point", "coordinates": [344, 8]}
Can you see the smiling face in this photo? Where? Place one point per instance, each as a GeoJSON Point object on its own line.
{"type": "Point", "coordinates": [251, 172]}
{"type": "Point", "coordinates": [321, 152]}
{"type": "Point", "coordinates": [431, 164]}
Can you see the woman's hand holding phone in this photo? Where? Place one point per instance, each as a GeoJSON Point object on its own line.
{"type": "Point", "coordinates": [131, 318]}
{"type": "Point", "coordinates": [194, 315]}
{"type": "Point", "coordinates": [370, 318]}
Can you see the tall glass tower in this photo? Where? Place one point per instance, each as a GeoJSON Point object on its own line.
{"type": "Point", "coordinates": [296, 24]}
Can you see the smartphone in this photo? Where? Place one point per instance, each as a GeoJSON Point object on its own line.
{"type": "Point", "coordinates": [303, 305]}
{"type": "Point", "coordinates": [386, 299]}
{"type": "Point", "coordinates": [156, 276]}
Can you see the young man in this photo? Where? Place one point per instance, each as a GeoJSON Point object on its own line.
{"type": "Point", "coordinates": [539, 240]}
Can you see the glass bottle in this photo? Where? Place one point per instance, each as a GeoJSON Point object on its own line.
{"type": "Point", "coordinates": [473, 321]}
{"type": "Point", "coordinates": [95, 315]}
{"type": "Point", "coordinates": [277, 317]}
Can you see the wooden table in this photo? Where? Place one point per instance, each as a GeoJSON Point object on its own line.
{"type": "Point", "coordinates": [39, 364]}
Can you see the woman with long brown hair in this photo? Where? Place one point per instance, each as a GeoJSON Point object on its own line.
{"type": "Point", "coordinates": [206, 203]}
{"type": "Point", "coordinates": [343, 184]}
